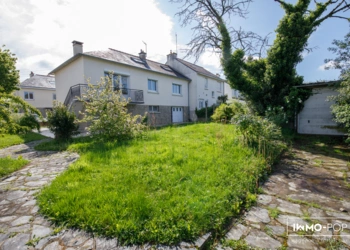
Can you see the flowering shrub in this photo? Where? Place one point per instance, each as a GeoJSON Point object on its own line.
{"type": "Point", "coordinates": [107, 115]}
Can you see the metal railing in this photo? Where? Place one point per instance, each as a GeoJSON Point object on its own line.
{"type": "Point", "coordinates": [135, 95]}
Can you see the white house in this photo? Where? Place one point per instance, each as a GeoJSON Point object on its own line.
{"type": "Point", "coordinates": [169, 92]}
{"type": "Point", "coordinates": [205, 86]}
{"type": "Point", "coordinates": [153, 87]}
{"type": "Point", "coordinates": [39, 91]}
{"type": "Point", "coordinates": [316, 116]}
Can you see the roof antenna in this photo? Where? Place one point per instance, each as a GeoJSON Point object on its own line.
{"type": "Point", "coordinates": [145, 46]}
{"type": "Point", "coordinates": [176, 41]}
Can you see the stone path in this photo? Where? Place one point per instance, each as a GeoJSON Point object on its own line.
{"type": "Point", "coordinates": [306, 189]}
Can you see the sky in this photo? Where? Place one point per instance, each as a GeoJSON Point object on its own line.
{"type": "Point", "coordinates": [40, 32]}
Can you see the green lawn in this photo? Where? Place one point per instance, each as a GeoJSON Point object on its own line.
{"type": "Point", "coordinates": [174, 185]}
{"type": "Point", "coordinates": [9, 165]}
{"type": "Point", "coordinates": [9, 140]}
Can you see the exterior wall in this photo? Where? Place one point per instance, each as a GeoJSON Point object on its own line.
{"type": "Point", "coordinates": [68, 76]}
{"type": "Point", "coordinates": [161, 118]}
{"type": "Point", "coordinates": [43, 98]}
{"type": "Point", "coordinates": [138, 79]}
{"type": "Point", "coordinates": [206, 93]}
{"type": "Point", "coordinates": [316, 116]}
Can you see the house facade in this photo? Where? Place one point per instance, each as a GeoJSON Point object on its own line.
{"type": "Point", "coordinates": [205, 86]}
{"type": "Point", "coordinates": [168, 92]}
{"type": "Point", "coordinates": [316, 116]}
{"type": "Point", "coordinates": [39, 91]}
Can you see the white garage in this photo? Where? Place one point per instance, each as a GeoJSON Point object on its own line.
{"type": "Point", "coordinates": [177, 114]}
{"type": "Point", "coordinates": [316, 116]}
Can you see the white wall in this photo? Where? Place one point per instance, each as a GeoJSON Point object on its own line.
{"type": "Point", "coordinates": [68, 76]}
{"type": "Point", "coordinates": [138, 79]}
{"type": "Point", "coordinates": [207, 93]}
{"type": "Point", "coordinates": [43, 98]}
{"type": "Point", "coordinates": [316, 116]}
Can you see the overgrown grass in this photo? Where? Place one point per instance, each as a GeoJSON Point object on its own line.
{"type": "Point", "coordinates": [9, 140]}
{"type": "Point", "coordinates": [174, 186]}
{"type": "Point", "coordinates": [9, 165]}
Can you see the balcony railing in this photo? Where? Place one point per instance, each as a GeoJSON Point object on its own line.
{"type": "Point", "coordinates": [135, 95]}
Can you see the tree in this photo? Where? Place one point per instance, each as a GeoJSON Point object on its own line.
{"type": "Point", "coordinates": [267, 82]}
{"type": "Point", "coordinates": [106, 112]}
{"type": "Point", "coordinates": [9, 103]}
{"type": "Point", "coordinates": [341, 108]}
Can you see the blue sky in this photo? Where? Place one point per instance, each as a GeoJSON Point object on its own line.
{"type": "Point", "coordinates": [40, 32]}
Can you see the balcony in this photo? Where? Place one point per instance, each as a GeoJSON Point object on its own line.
{"type": "Point", "coordinates": [135, 95]}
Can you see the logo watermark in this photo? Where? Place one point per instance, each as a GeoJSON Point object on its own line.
{"type": "Point", "coordinates": [319, 227]}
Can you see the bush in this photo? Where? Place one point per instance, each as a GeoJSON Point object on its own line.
{"type": "Point", "coordinates": [61, 122]}
{"type": "Point", "coordinates": [106, 112]}
{"type": "Point", "coordinates": [29, 121]}
{"type": "Point", "coordinates": [227, 111]}
{"type": "Point", "coordinates": [260, 134]}
{"type": "Point", "coordinates": [201, 112]}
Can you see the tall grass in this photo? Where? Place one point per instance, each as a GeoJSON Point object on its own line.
{"type": "Point", "coordinates": [9, 165]}
{"type": "Point", "coordinates": [7, 140]}
{"type": "Point", "coordinates": [174, 186]}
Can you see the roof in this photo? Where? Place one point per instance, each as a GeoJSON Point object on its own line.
{"type": "Point", "coordinates": [200, 70]}
{"type": "Point", "coordinates": [318, 84]}
{"type": "Point", "coordinates": [127, 59]}
{"type": "Point", "coordinates": [39, 81]}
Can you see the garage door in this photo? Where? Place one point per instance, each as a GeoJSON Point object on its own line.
{"type": "Point", "coordinates": [177, 114]}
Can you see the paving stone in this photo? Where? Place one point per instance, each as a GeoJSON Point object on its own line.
{"type": "Point", "coordinates": [264, 199]}
{"type": "Point", "coordinates": [260, 239]}
{"type": "Point", "coordinates": [236, 232]}
{"type": "Point", "coordinates": [74, 238]}
{"type": "Point", "coordinates": [289, 220]}
{"type": "Point", "coordinates": [4, 237]}
{"type": "Point", "coordinates": [29, 203]}
{"type": "Point", "coordinates": [88, 245]}
{"type": "Point", "coordinates": [17, 242]}
{"type": "Point", "coordinates": [53, 246]}
{"type": "Point", "coordinates": [106, 244]}
{"type": "Point", "coordinates": [21, 220]}
{"type": "Point", "coordinates": [257, 215]}
{"type": "Point", "coordinates": [15, 195]}
{"type": "Point", "coordinates": [300, 242]}
{"type": "Point", "coordinates": [276, 230]}
{"type": "Point", "coordinates": [345, 238]}
{"type": "Point", "coordinates": [40, 231]}
{"type": "Point", "coordinates": [318, 214]}
{"type": "Point", "coordinates": [288, 207]}
{"type": "Point", "coordinates": [20, 229]}
{"type": "Point", "coordinates": [7, 218]}
{"type": "Point", "coordinates": [339, 215]}
{"type": "Point", "coordinates": [201, 240]}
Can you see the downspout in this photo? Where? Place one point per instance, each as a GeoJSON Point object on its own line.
{"type": "Point", "coordinates": [188, 100]}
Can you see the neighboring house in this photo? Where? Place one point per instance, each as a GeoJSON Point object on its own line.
{"type": "Point", "coordinates": [39, 91]}
{"type": "Point", "coordinates": [169, 92]}
{"type": "Point", "coordinates": [316, 116]}
{"type": "Point", "coordinates": [204, 86]}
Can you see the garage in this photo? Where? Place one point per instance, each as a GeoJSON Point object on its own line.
{"type": "Point", "coordinates": [177, 114]}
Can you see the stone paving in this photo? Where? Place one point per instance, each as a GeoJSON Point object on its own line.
{"type": "Point", "coordinates": [305, 189]}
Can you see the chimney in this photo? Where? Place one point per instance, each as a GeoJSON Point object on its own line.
{"type": "Point", "coordinates": [143, 55]}
{"type": "Point", "coordinates": [171, 56]}
{"type": "Point", "coordinates": [77, 47]}
{"type": "Point", "coordinates": [31, 74]}
{"type": "Point", "coordinates": [217, 74]}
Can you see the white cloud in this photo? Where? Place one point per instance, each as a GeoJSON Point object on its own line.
{"type": "Point", "coordinates": [40, 32]}
{"type": "Point", "coordinates": [326, 65]}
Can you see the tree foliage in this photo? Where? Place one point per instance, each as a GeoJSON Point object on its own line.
{"type": "Point", "coordinates": [107, 115]}
{"type": "Point", "coordinates": [62, 122]}
{"type": "Point", "coordinates": [9, 103]}
{"type": "Point", "coordinates": [342, 50]}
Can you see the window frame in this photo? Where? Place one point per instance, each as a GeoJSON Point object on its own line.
{"type": "Point", "coordinates": [28, 94]}
{"type": "Point", "coordinates": [206, 84]}
{"type": "Point", "coordinates": [155, 85]}
{"type": "Point", "coordinates": [201, 101]}
{"type": "Point", "coordinates": [179, 88]}
{"type": "Point", "coordinates": [153, 109]}
{"type": "Point", "coordinates": [54, 96]}
{"type": "Point", "coordinates": [213, 94]}
{"type": "Point", "coordinates": [218, 87]}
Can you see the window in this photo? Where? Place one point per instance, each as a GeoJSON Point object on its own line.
{"type": "Point", "coordinates": [153, 109]}
{"type": "Point", "coordinates": [28, 96]}
{"type": "Point", "coordinates": [219, 86]}
{"type": "Point", "coordinates": [152, 85]}
{"type": "Point", "coordinates": [206, 83]}
{"type": "Point", "coordinates": [213, 94]}
{"type": "Point", "coordinates": [118, 80]}
{"type": "Point", "coordinates": [54, 96]}
{"type": "Point", "coordinates": [176, 89]}
{"type": "Point", "coordinates": [201, 104]}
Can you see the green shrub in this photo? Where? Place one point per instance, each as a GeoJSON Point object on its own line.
{"type": "Point", "coordinates": [106, 112]}
{"type": "Point", "coordinates": [201, 112]}
{"type": "Point", "coordinates": [61, 122]}
{"type": "Point", "coordinates": [227, 111]}
{"type": "Point", "coordinates": [260, 134]}
{"type": "Point", "coordinates": [29, 121]}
